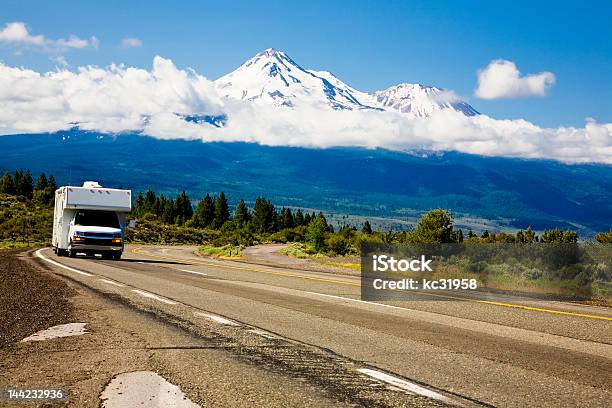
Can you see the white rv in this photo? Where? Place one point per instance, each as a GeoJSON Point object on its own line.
{"type": "Point", "coordinates": [90, 220]}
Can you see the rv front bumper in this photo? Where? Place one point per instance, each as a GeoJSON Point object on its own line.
{"type": "Point", "coordinates": [77, 246]}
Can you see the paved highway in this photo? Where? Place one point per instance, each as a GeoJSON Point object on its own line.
{"type": "Point", "coordinates": [463, 350]}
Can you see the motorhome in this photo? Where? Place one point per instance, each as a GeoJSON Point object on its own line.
{"type": "Point", "coordinates": [90, 220]}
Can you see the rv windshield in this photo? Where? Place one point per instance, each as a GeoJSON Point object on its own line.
{"type": "Point", "coordinates": [92, 218]}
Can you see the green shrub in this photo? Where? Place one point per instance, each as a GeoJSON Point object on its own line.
{"type": "Point", "coordinates": [337, 244]}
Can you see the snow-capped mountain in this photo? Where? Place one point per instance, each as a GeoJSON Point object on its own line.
{"type": "Point", "coordinates": [421, 100]}
{"type": "Point", "coordinates": [271, 77]}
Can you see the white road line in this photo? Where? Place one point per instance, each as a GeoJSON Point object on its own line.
{"type": "Point", "coordinates": [218, 319]}
{"type": "Point", "coordinates": [264, 333]}
{"type": "Point", "coordinates": [152, 296]}
{"type": "Point", "coordinates": [410, 387]}
{"type": "Point", "coordinates": [194, 272]}
{"type": "Point", "coordinates": [358, 301]}
{"type": "Point", "coordinates": [44, 258]}
{"type": "Point", "coordinates": [110, 282]}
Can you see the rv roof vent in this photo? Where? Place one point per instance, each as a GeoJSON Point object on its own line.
{"type": "Point", "coordinates": [92, 184]}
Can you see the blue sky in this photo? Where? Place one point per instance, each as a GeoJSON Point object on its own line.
{"type": "Point", "coordinates": [370, 45]}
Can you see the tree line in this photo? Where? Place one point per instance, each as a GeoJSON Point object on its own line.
{"type": "Point", "coordinates": [437, 226]}
{"type": "Point", "coordinates": [213, 211]}
{"type": "Point", "coordinates": [243, 224]}
{"type": "Point", "coordinates": [20, 183]}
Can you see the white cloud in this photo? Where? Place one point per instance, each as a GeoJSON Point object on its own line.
{"type": "Point", "coordinates": [16, 33]}
{"type": "Point", "coordinates": [131, 42]}
{"type": "Point", "coordinates": [501, 79]}
{"type": "Point", "coordinates": [119, 98]}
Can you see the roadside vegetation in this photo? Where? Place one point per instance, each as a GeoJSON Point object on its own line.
{"type": "Point", "coordinates": [26, 213]}
{"type": "Point", "coordinates": [26, 209]}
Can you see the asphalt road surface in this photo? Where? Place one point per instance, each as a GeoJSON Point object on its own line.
{"type": "Point", "coordinates": [434, 350]}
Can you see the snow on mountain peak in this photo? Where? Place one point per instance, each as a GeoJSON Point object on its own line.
{"type": "Point", "coordinates": [271, 77]}
{"type": "Point", "coordinates": [421, 100]}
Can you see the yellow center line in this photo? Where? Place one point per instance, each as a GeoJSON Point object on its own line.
{"type": "Point", "coordinates": [344, 282]}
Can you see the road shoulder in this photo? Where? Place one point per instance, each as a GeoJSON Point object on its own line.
{"type": "Point", "coordinates": [121, 339]}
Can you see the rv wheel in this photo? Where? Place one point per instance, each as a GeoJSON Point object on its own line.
{"type": "Point", "coordinates": [71, 253]}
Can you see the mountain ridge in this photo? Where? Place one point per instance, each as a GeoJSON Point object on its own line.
{"type": "Point", "coordinates": [483, 192]}
{"type": "Point", "coordinates": [273, 78]}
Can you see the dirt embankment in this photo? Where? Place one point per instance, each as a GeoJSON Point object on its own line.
{"type": "Point", "coordinates": [30, 299]}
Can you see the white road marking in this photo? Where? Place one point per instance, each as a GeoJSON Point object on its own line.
{"type": "Point", "coordinates": [359, 301]}
{"type": "Point", "coordinates": [44, 258]}
{"type": "Point", "coordinates": [110, 282]}
{"type": "Point", "coordinates": [194, 272]}
{"type": "Point", "coordinates": [264, 333]}
{"type": "Point", "coordinates": [152, 296]}
{"type": "Point", "coordinates": [218, 319]}
{"type": "Point", "coordinates": [62, 330]}
{"type": "Point", "coordinates": [410, 387]}
{"type": "Point", "coordinates": [143, 389]}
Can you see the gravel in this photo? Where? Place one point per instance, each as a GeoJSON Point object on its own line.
{"type": "Point", "coordinates": [30, 299]}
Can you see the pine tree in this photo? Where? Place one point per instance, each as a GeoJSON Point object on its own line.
{"type": "Point", "coordinates": [321, 216]}
{"type": "Point", "coordinates": [42, 193]}
{"type": "Point", "coordinates": [367, 228]}
{"type": "Point", "coordinates": [151, 204]}
{"type": "Point", "coordinates": [264, 215]}
{"type": "Point", "coordinates": [7, 184]}
{"type": "Point", "coordinates": [23, 183]}
{"type": "Point", "coordinates": [41, 183]}
{"type": "Point", "coordinates": [241, 214]}
{"type": "Point", "coordinates": [52, 184]}
{"type": "Point", "coordinates": [204, 213]}
{"type": "Point", "coordinates": [184, 210]}
{"type": "Point", "coordinates": [315, 233]}
{"type": "Point", "coordinates": [298, 218]}
{"type": "Point", "coordinates": [169, 210]}
{"type": "Point", "coordinates": [28, 184]}
{"type": "Point", "coordinates": [138, 208]}
{"type": "Point", "coordinates": [222, 213]}
{"type": "Point", "coordinates": [286, 219]}
{"type": "Point", "coordinates": [159, 206]}
{"type": "Point", "coordinates": [49, 197]}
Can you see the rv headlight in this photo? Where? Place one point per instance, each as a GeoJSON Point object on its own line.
{"type": "Point", "coordinates": [79, 234]}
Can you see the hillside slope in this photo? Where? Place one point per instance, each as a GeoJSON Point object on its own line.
{"type": "Point", "coordinates": [511, 192]}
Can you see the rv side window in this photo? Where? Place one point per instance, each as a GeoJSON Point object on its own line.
{"type": "Point", "coordinates": [92, 218]}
